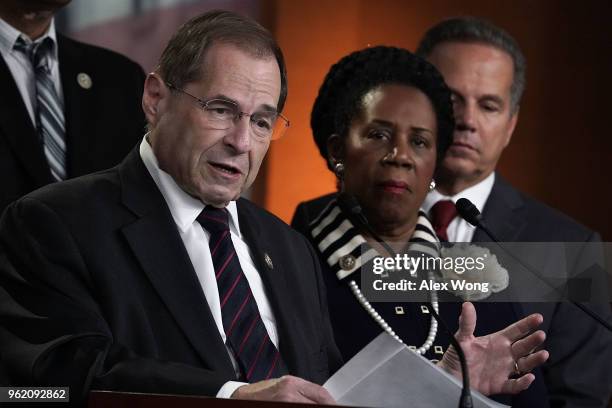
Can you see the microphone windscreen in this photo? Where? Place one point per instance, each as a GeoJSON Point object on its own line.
{"type": "Point", "coordinates": [468, 211]}
{"type": "Point", "coordinates": [349, 203]}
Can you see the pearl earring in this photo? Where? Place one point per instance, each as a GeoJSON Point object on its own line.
{"type": "Point", "coordinates": [339, 169]}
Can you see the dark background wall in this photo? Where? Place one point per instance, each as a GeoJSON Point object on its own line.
{"type": "Point", "coordinates": [562, 148]}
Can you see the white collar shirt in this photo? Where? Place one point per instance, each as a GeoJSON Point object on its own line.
{"type": "Point", "coordinates": [21, 68]}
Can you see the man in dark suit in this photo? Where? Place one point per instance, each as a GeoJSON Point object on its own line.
{"type": "Point", "coordinates": [154, 276]}
{"type": "Point", "coordinates": [100, 92]}
{"type": "Point", "coordinates": [485, 69]}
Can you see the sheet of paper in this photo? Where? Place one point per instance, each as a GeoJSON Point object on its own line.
{"type": "Point", "coordinates": [388, 374]}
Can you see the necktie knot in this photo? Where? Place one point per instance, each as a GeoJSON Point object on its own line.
{"type": "Point", "coordinates": [214, 220]}
{"type": "Point", "coordinates": [36, 51]}
{"type": "Point", "coordinates": [442, 213]}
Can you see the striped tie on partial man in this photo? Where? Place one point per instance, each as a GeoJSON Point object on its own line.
{"type": "Point", "coordinates": [49, 108]}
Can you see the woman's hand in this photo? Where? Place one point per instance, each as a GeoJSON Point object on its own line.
{"type": "Point", "coordinates": [493, 359]}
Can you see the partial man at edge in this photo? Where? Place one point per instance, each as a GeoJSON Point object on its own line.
{"type": "Point", "coordinates": [67, 108]}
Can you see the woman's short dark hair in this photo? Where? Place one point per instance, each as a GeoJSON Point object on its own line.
{"type": "Point", "coordinates": [348, 81]}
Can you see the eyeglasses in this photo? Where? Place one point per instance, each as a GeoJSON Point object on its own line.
{"type": "Point", "coordinates": [221, 114]}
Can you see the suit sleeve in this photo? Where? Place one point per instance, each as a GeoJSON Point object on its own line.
{"type": "Point", "coordinates": [52, 330]}
{"type": "Point", "coordinates": [334, 358]}
{"type": "Point", "coordinates": [578, 373]}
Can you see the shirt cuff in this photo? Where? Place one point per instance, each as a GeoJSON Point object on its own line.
{"type": "Point", "coordinates": [228, 389]}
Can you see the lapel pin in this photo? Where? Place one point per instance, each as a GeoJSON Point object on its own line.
{"type": "Point", "coordinates": [84, 80]}
{"type": "Point", "coordinates": [268, 261]}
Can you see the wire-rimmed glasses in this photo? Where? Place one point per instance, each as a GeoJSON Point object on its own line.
{"type": "Point", "coordinates": [222, 114]}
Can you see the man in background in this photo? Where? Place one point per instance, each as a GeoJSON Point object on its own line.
{"type": "Point", "coordinates": [485, 69]}
{"type": "Point", "coordinates": [67, 108]}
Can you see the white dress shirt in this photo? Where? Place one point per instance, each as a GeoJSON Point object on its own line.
{"type": "Point", "coordinates": [459, 230]}
{"type": "Point", "coordinates": [185, 209]}
{"type": "Point", "coordinates": [21, 68]}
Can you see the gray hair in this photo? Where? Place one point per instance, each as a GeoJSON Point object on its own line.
{"type": "Point", "coordinates": [181, 62]}
{"type": "Point", "coordinates": [472, 29]}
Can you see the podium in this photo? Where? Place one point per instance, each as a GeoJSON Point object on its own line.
{"type": "Point", "coordinates": [105, 399]}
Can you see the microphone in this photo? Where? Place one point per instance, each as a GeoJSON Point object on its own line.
{"type": "Point", "coordinates": [350, 206]}
{"type": "Point", "coordinates": [468, 211]}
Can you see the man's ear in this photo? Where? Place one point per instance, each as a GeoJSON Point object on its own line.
{"type": "Point", "coordinates": [335, 149]}
{"type": "Point", "coordinates": [154, 91]}
{"type": "Point", "coordinates": [513, 122]}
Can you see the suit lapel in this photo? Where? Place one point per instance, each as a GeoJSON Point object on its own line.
{"type": "Point", "coordinates": [155, 241]}
{"type": "Point", "coordinates": [502, 213]}
{"type": "Point", "coordinates": [273, 277]}
{"type": "Point", "coordinates": [16, 125]}
{"type": "Point", "coordinates": [79, 104]}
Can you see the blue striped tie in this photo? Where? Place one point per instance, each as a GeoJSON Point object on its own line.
{"type": "Point", "coordinates": [50, 110]}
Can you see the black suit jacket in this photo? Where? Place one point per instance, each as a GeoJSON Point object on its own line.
{"type": "Point", "coordinates": [103, 123]}
{"type": "Point", "coordinates": [99, 292]}
{"type": "Point", "coordinates": [578, 372]}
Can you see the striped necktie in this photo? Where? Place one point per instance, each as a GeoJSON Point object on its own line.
{"type": "Point", "coordinates": [245, 331]}
{"type": "Point", "coordinates": [49, 108]}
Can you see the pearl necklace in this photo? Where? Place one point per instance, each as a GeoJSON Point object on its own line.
{"type": "Point", "coordinates": [433, 325]}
